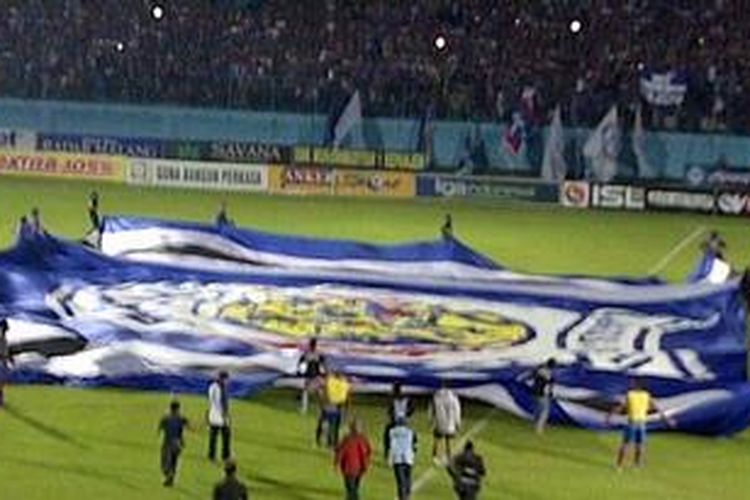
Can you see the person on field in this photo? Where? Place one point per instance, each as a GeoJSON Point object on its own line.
{"type": "Point", "coordinates": [222, 217]}
{"type": "Point", "coordinates": [467, 471]}
{"type": "Point", "coordinates": [637, 406]}
{"type": "Point", "coordinates": [93, 236]}
{"type": "Point", "coordinates": [311, 366]}
{"type": "Point", "coordinates": [714, 243]}
{"type": "Point", "coordinates": [230, 488]}
{"type": "Point", "coordinates": [543, 380]}
{"type": "Point", "coordinates": [399, 407]}
{"type": "Point", "coordinates": [93, 210]}
{"type": "Point", "coordinates": [353, 459]}
{"type": "Point", "coordinates": [401, 450]}
{"type": "Point", "coordinates": [445, 413]}
{"type": "Point", "coordinates": [24, 228]}
{"type": "Point", "coordinates": [218, 417]}
{"type": "Point", "coordinates": [446, 230]}
{"type": "Point", "coordinates": [5, 358]}
{"type": "Point", "coordinates": [336, 393]}
{"type": "Point", "coordinates": [36, 222]}
{"type": "Point", "coordinates": [171, 426]}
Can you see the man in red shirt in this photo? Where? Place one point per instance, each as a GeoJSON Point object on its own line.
{"type": "Point", "coordinates": [353, 459]}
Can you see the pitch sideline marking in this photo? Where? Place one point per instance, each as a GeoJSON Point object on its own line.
{"type": "Point", "coordinates": [427, 475]}
{"type": "Point", "coordinates": [679, 247]}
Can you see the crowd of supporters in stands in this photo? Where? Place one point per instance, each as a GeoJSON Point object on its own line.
{"type": "Point", "coordinates": [310, 55]}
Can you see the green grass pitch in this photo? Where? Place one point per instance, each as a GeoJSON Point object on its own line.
{"type": "Point", "coordinates": [61, 443]}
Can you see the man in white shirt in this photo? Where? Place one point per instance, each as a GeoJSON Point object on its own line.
{"type": "Point", "coordinates": [218, 417]}
{"type": "Point", "coordinates": [401, 449]}
{"type": "Point", "coordinates": [445, 413]}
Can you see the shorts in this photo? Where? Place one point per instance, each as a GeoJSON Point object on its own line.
{"type": "Point", "coordinates": [437, 433]}
{"type": "Point", "coordinates": [634, 433]}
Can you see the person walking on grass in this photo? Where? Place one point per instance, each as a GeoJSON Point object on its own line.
{"type": "Point", "coordinates": [543, 380]}
{"type": "Point", "coordinates": [445, 413]}
{"type": "Point", "coordinates": [400, 407]}
{"type": "Point", "coordinates": [336, 398]}
{"type": "Point", "coordinates": [5, 358]}
{"type": "Point", "coordinates": [401, 451]}
{"type": "Point", "coordinates": [467, 470]}
{"type": "Point", "coordinates": [637, 406]}
{"type": "Point", "coordinates": [353, 459]}
{"type": "Point", "coordinates": [172, 427]}
{"type": "Point", "coordinates": [311, 366]}
{"type": "Point", "coordinates": [218, 417]}
{"type": "Point", "coordinates": [230, 488]}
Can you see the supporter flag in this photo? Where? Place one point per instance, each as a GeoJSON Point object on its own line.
{"type": "Point", "coordinates": [603, 147]}
{"type": "Point", "coordinates": [350, 118]}
{"type": "Point", "coordinates": [167, 304]}
{"type": "Point", "coordinates": [554, 168]}
{"type": "Point", "coordinates": [639, 147]}
{"type": "Point", "coordinates": [514, 136]}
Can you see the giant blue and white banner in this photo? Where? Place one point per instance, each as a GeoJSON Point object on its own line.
{"type": "Point", "coordinates": [166, 304]}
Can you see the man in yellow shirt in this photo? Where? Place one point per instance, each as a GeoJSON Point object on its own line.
{"type": "Point", "coordinates": [637, 405]}
{"type": "Point", "coordinates": [336, 394]}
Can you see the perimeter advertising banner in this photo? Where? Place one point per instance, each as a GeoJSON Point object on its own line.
{"type": "Point", "coordinates": [62, 165]}
{"type": "Point", "coordinates": [146, 147]}
{"type": "Point", "coordinates": [358, 158]}
{"type": "Point", "coordinates": [309, 180]}
{"type": "Point", "coordinates": [198, 175]}
{"type": "Point", "coordinates": [498, 188]}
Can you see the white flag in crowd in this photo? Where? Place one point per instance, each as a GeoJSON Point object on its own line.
{"type": "Point", "coordinates": [603, 147]}
{"type": "Point", "coordinates": [639, 147]}
{"type": "Point", "coordinates": [554, 168]}
{"type": "Point", "coordinates": [350, 118]}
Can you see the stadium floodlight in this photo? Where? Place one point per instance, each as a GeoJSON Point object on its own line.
{"type": "Point", "coordinates": [440, 42]}
{"type": "Point", "coordinates": [157, 12]}
{"type": "Point", "coordinates": [575, 26]}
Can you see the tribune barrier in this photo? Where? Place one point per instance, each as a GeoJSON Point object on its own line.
{"type": "Point", "coordinates": [62, 165]}
{"type": "Point", "coordinates": [197, 175]}
{"type": "Point", "coordinates": [313, 180]}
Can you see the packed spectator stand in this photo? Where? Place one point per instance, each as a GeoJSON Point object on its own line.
{"type": "Point", "coordinates": [308, 56]}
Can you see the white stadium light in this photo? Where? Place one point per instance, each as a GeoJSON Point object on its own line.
{"type": "Point", "coordinates": [440, 42]}
{"type": "Point", "coordinates": [575, 26]}
{"type": "Point", "coordinates": [157, 12]}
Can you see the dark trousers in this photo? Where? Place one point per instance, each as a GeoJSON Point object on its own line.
{"type": "Point", "coordinates": [331, 419]}
{"type": "Point", "coordinates": [467, 493]}
{"type": "Point", "coordinates": [226, 436]}
{"type": "Point", "coordinates": [351, 483]}
{"type": "Point", "coordinates": [170, 454]}
{"type": "Point", "coordinates": [403, 480]}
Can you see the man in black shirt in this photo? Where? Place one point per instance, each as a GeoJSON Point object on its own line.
{"type": "Point", "coordinates": [5, 358]}
{"type": "Point", "coordinates": [93, 208]}
{"type": "Point", "coordinates": [467, 470]}
{"type": "Point", "coordinates": [447, 228]}
{"type": "Point", "coordinates": [230, 488]}
{"type": "Point", "coordinates": [311, 366]}
{"type": "Point", "coordinates": [172, 427]}
{"type": "Point", "coordinates": [222, 217]}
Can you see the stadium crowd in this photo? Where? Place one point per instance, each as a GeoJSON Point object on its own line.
{"type": "Point", "coordinates": [290, 55]}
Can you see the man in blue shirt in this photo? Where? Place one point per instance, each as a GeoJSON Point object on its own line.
{"type": "Point", "coordinates": [401, 450]}
{"type": "Point", "coordinates": [172, 427]}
